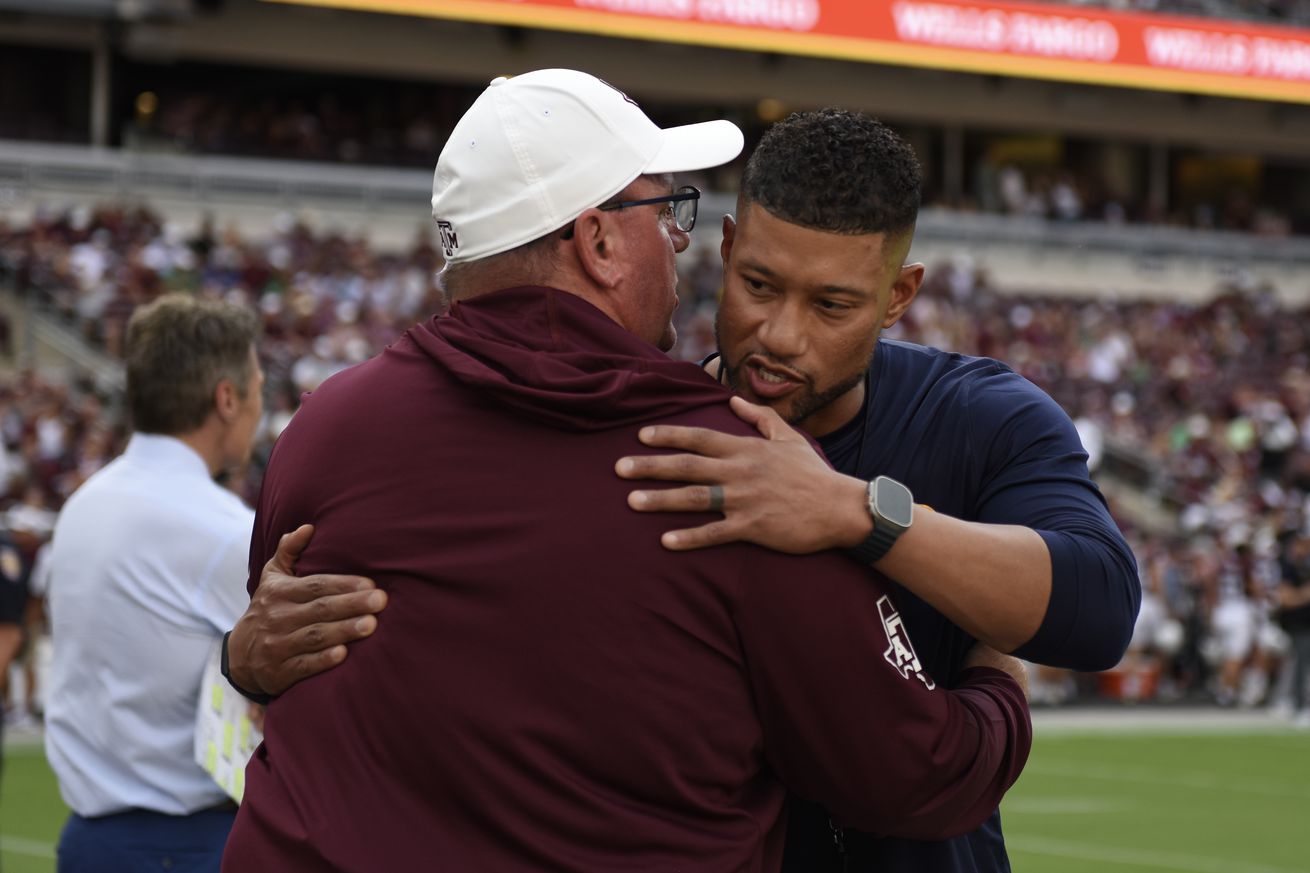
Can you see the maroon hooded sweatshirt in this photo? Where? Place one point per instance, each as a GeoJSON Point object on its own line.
{"type": "Point", "coordinates": [549, 688]}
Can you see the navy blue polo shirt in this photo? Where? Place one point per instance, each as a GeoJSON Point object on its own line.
{"type": "Point", "coordinates": [973, 439]}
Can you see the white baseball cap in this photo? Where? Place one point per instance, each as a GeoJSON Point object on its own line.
{"type": "Point", "coordinates": [535, 151]}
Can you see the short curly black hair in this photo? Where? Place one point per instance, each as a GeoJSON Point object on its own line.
{"type": "Point", "coordinates": [837, 171]}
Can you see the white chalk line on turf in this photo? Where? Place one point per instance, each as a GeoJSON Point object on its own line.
{"type": "Point", "coordinates": [20, 743]}
{"type": "Point", "coordinates": [1038, 805]}
{"type": "Point", "coordinates": [1138, 857]}
{"type": "Point", "coordinates": [1110, 773]}
{"type": "Point", "coordinates": [24, 846]}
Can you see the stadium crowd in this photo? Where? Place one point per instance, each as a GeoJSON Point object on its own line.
{"type": "Point", "coordinates": [1065, 194]}
{"type": "Point", "coordinates": [400, 129]}
{"type": "Point", "coordinates": [1210, 404]}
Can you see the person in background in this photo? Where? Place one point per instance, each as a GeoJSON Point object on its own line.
{"type": "Point", "coordinates": [1294, 616]}
{"type": "Point", "coordinates": [28, 524]}
{"type": "Point", "coordinates": [14, 573]}
{"type": "Point", "coordinates": [148, 562]}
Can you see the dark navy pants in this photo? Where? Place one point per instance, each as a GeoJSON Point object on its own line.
{"type": "Point", "coordinates": [145, 842]}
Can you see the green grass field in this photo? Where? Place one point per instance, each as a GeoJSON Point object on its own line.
{"type": "Point", "coordinates": [1148, 802]}
{"type": "Point", "coordinates": [31, 812]}
{"type": "Point", "coordinates": [1111, 802]}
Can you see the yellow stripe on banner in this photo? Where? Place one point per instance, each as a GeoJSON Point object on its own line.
{"type": "Point", "coordinates": [828, 46]}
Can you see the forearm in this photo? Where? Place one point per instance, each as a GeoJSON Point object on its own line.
{"type": "Point", "coordinates": [950, 781]}
{"type": "Point", "coordinates": [992, 580]}
{"type": "Point", "coordinates": [1293, 598]}
{"type": "Point", "coordinates": [237, 671]}
{"type": "Point", "coordinates": [1046, 573]}
{"type": "Point", "coordinates": [823, 685]}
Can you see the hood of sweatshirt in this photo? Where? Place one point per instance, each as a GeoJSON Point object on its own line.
{"type": "Point", "coordinates": [554, 357]}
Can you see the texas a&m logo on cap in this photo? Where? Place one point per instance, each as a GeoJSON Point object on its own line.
{"type": "Point", "coordinates": [449, 239]}
{"type": "Point", "coordinates": [900, 651]}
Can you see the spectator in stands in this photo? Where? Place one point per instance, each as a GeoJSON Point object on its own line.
{"type": "Point", "coordinates": [28, 524]}
{"type": "Point", "coordinates": [1233, 621]}
{"type": "Point", "coordinates": [1294, 602]}
{"type": "Point", "coordinates": [147, 569]}
{"type": "Point", "coordinates": [14, 572]}
{"type": "Point", "coordinates": [1157, 636]}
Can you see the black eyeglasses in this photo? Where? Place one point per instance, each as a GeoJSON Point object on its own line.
{"type": "Point", "coordinates": [681, 208]}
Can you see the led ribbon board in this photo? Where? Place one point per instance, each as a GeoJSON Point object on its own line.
{"type": "Point", "coordinates": [1050, 41]}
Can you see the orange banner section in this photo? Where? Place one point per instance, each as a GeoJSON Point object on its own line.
{"type": "Point", "coordinates": [1045, 41]}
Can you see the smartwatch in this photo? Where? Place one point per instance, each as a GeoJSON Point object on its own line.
{"type": "Point", "coordinates": [892, 506]}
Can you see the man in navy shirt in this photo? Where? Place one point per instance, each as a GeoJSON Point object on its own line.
{"type": "Point", "coordinates": [1018, 550]}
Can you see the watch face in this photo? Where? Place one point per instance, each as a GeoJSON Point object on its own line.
{"type": "Point", "coordinates": [894, 501]}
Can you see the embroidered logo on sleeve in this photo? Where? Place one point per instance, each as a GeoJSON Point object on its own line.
{"type": "Point", "coordinates": [900, 651]}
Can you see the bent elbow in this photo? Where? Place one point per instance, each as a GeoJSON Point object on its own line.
{"type": "Point", "coordinates": [1105, 653]}
{"type": "Point", "coordinates": [1108, 649]}
{"type": "Point", "coordinates": [1097, 634]}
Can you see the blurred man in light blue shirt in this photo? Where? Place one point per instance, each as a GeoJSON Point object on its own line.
{"type": "Point", "coordinates": [148, 570]}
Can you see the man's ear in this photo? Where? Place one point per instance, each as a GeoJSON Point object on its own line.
{"type": "Point", "coordinates": [903, 292]}
{"type": "Point", "coordinates": [227, 401]}
{"type": "Point", "coordinates": [729, 234]}
{"type": "Point", "coordinates": [595, 242]}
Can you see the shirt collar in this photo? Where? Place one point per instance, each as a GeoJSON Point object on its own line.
{"type": "Point", "coordinates": [162, 451]}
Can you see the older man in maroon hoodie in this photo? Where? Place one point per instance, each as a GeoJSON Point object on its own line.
{"type": "Point", "coordinates": [554, 690]}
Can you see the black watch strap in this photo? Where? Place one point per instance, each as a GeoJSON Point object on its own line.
{"type": "Point", "coordinates": [875, 545]}
{"type": "Point", "coordinates": [261, 699]}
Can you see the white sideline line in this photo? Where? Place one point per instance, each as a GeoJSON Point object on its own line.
{"type": "Point", "coordinates": [1061, 805]}
{"type": "Point", "coordinates": [1138, 857]}
{"type": "Point", "coordinates": [1208, 783]}
{"type": "Point", "coordinates": [24, 846]}
{"type": "Point", "coordinates": [1180, 721]}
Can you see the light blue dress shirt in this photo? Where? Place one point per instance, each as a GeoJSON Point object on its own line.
{"type": "Point", "coordinates": [147, 570]}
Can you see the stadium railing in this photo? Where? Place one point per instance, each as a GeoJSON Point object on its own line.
{"type": "Point", "coordinates": [39, 167]}
{"type": "Point", "coordinates": [1129, 239]}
